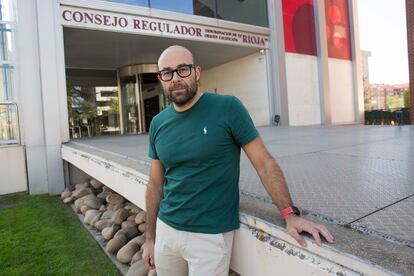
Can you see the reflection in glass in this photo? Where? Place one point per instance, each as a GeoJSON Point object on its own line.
{"type": "Point", "coordinates": [142, 3]}
{"type": "Point", "coordinates": [196, 7]}
{"type": "Point", "coordinates": [183, 6]}
{"type": "Point", "coordinates": [6, 84]}
{"type": "Point", "coordinates": [9, 129]}
{"type": "Point", "coordinates": [130, 105]}
{"type": "Point", "coordinates": [9, 134]}
{"type": "Point", "coordinates": [5, 42]}
{"type": "Point", "coordinates": [6, 10]}
{"type": "Point", "coordinates": [205, 8]}
{"type": "Point", "coordinates": [252, 12]}
{"type": "Point", "coordinates": [246, 11]}
{"type": "Point", "coordinates": [153, 97]}
{"type": "Point", "coordinates": [93, 110]}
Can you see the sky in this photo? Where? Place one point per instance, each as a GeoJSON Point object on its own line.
{"type": "Point", "coordinates": [383, 32]}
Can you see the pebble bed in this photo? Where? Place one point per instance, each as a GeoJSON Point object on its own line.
{"type": "Point", "coordinates": [116, 224]}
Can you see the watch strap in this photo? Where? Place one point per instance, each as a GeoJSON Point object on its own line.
{"type": "Point", "coordinates": [290, 210]}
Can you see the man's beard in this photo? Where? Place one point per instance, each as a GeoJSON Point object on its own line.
{"type": "Point", "coordinates": [182, 97]}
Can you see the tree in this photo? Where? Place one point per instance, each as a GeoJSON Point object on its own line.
{"type": "Point", "coordinates": [367, 94]}
{"type": "Point", "coordinates": [394, 102]}
{"type": "Point", "coordinates": [114, 106]}
{"type": "Point", "coordinates": [406, 98]}
{"type": "Point", "coordinates": [80, 108]}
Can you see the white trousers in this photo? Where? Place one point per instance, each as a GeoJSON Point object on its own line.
{"type": "Point", "coordinates": [182, 253]}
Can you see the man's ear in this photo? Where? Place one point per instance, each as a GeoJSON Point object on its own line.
{"type": "Point", "coordinates": [198, 73]}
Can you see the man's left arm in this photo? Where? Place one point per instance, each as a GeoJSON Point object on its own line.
{"type": "Point", "coordinates": [275, 184]}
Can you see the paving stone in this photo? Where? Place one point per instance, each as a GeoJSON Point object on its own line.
{"type": "Point", "coordinates": [396, 220]}
{"type": "Point", "coordinates": [340, 172]}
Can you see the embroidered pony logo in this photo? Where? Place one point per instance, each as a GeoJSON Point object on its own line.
{"type": "Point", "coordinates": [205, 130]}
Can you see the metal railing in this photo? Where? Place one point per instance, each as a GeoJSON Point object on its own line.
{"type": "Point", "coordinates": [387, 117]}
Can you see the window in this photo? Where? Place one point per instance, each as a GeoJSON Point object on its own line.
{"type": "Point", "coordinates": [7, 10]}
{"type": "Point", "coordinates": [6, 41]}
{"type": "Point", "coordinates": [252, 12]}
{"type": "Point", "coordinates": [142, 3]}
{"type": "Point", "coordinates": [205, 8]}
{"type": "Point", "coordinates": [6, 83]}
{"type": "Point", "coordinates": [9, 128]}
{"type": "Point", "coordinates": [9, 116]}
{"type": "Point", "coordinates": [109, 93]}
{"type": "Point", "coordinates": [93, 104]}
{"type": "Point", "coordinates": [196, 7]}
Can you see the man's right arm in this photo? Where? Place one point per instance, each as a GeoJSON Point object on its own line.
{"type": "Point", "coordinates": [153, 198]}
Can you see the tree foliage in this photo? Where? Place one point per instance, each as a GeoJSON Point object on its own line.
{"type": "Point", "coordinates": [406, 98]}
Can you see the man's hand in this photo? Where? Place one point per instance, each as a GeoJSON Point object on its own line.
{"type": "Point", "coordinates": [148, 255]}
{"type": "Point", "coordinates": [275, 184]}
{"type": "Point", "coordinates": [296, 225]}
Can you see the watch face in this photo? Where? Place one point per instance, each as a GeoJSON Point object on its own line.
{"type": "Point", "coordinates": [296, 210]}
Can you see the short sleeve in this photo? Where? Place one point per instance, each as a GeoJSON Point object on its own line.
{"type": "Point", "coordinates": [241, 124]}
{"type": "Point", "coordinates": [152, 151]}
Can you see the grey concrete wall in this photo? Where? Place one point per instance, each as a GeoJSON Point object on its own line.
{"type": "Point", "coordinates": [276, 63]}
{"type": "Point", "coordinates": [30, 95]}
{"type": "Point", "coordinates": [49, 75]}
{"type": "Point", "coordinates": [39, 82]}
{"type": "Point", "coordinates": [12, 170]}
{"type": "Point", "coordinates": [77, 176]}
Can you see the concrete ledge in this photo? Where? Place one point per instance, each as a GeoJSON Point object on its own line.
{"type": "Point", "coordinates": [262, 245]}
{"type": "Point", "coordinates": [270, 248]}
{"type": "Point", "coordinates": [126, 181]}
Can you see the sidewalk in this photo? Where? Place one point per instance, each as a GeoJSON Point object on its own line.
{"type": "Point", "coordinates": [358, 177]}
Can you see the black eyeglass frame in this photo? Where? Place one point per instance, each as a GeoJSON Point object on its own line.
{"type": "Point", "coordinates": [190, 66]}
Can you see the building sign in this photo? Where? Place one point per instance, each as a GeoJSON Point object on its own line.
{"type": "Point", "coordinates": [102, 20]}
{"type": "Point", "coordinates": [338, 31]}
{"type": "Point", "coordinates": [299, 26]}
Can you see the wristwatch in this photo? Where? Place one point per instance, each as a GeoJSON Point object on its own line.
{"type": "Point", "coordinates": [290, 210]}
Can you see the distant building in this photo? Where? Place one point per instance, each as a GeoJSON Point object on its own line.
{"type": "Point", "coordinates": [365, 78]}
{"type": "Point", "coordinates": [365, 67]}
{"type": "Point", "coordinates": [378, 93]}
{"type": "Point", "coordinates": [375, 95]}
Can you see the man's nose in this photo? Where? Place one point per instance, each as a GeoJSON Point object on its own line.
{"type": "Point", "coordinates": [175, 77]}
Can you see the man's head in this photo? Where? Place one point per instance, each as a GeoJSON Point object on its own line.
{"type": "Point", "coordinates": [178, 74]}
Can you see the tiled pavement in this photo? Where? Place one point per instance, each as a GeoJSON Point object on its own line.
{"type": "Point", "coordinates": [362, 176]}
{"type": "Point", "coordinates": [396, 220]}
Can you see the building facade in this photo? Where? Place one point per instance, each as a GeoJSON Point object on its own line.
{"type": "Point", "coordinates": [77, 68]}
{"type": "Point", "coordinates": [409, 6]}
{"type": "Point", "coordinates": [386, 96]}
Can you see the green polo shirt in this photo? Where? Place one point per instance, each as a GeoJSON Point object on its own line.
{"type": "Point", "coordinates": [200, 151]}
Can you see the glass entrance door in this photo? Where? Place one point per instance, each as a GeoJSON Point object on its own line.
{"type": "Point", "coordinates": [152, 108]}
{"type": "Point", "coordinates": [130, 102]}
{"type": "Point", "coordinates": [141, 97]}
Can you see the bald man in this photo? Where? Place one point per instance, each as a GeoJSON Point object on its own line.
{"type": "Point", "coordinates": [192, 196]}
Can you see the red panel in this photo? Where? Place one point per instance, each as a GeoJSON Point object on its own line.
{"type": "Point", "coordinates": [337, 29]}
{"type": "Point", "coordinates": [299, 26]}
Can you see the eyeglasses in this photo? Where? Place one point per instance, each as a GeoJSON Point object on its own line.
{"type": "Point", "coordinates": [182, 71]}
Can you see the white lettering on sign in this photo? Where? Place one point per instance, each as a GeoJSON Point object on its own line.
{"type": "Point", "coordinates": [151, 26]}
